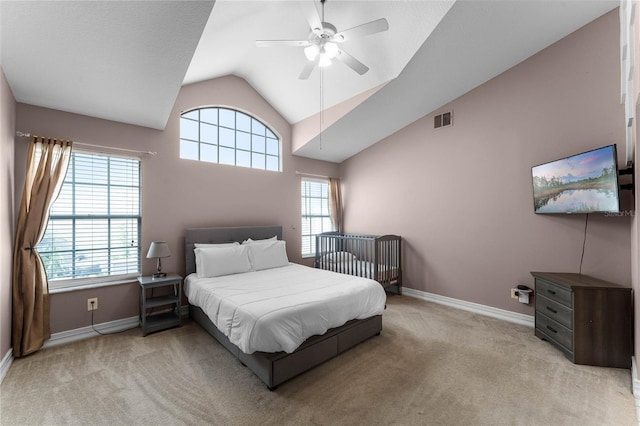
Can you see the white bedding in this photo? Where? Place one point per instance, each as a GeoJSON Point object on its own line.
{"type": "Point", "coordinates": [277, 309]}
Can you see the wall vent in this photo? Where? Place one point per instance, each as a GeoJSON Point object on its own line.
{"type": "Point", "coordinates": [443, 120]}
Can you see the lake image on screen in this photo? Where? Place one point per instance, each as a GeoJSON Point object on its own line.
{"type": "Point", "coordinates": [583, 183]}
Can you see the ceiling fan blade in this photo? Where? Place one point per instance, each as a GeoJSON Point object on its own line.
{"type": "Point", "coordinates": [351, 62]}
{"type": "Point", "coordinates": [377, 26]}
{"type": "Point", "coordinates": [280, 43]}
{"type": "Point", "coordinates": [308, 67]}
{"type": "Point", "coordinates": [310, 12]}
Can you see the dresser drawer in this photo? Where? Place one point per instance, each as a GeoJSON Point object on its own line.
{"type": "Point", "coordinates": [555, 330]}
{"type": "Point", "coordinates": [554, 292]}
{"type": "Point", "coordinates": [555, 311]}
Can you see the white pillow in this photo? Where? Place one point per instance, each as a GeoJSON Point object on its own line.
{"type": "Point", "coordinates": [266, 240]}
{"type": "Point", "coordinates": [218, 261]}
{"type": "Point", "coordinates": [219, 245]}
{"type": "Point", "coordinates": [339, 256]}
{"type": "Point", "coordinates": [268, 254]}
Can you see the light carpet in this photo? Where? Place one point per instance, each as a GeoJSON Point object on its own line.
{"type": "Point", "coordinates": [432, 365]}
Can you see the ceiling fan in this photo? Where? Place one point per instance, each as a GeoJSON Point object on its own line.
{"type": "Point", "coordinates": [321, 46]}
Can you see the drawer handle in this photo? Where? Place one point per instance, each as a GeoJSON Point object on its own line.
{"type": "Point", "coordinates": [549, 308]}
{"type": "Point", "coordinates": [552, 329]}
{"type": "Point", "coordinates": [551, 292]}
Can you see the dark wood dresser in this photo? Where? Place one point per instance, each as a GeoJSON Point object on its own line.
{"type": "Point", "coordinates": [588, 319]}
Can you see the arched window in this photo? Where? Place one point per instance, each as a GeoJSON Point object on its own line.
{"type": "Point", "coordinates": [226, 136]}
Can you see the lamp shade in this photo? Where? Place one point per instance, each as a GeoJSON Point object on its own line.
{"type": "Point", "coordinates": [158, 249]}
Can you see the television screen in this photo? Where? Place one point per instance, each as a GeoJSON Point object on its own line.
{"type": "Point", "coordinates": [582, 183]}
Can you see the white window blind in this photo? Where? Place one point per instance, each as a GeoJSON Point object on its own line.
{"type": "Point", "coordinates": [315, 213]}
{"type": "Point", "coordinates": [93, 233]}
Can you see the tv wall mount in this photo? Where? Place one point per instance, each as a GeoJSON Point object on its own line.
{"type": "Point", "coordinates": [628, 186]}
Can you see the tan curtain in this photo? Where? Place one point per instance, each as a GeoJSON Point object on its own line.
{"type": "Point", "coordinates": [335, 203]}
{"type": "Point", "coordinates": [47, 162]}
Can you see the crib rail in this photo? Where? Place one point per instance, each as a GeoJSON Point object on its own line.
{"type": "Point", "coordinates": [370, 256]}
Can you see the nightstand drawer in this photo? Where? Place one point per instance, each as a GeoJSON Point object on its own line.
{"type": "Point", "coordinates": [555, 330]}
{"type": "Point", "coordinates": [554, 292]}
{"type": "Point", "coordinates": [555, 311]}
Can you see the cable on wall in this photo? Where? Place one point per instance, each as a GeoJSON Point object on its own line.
{"type": "Point", "coordinates": [584, 242]}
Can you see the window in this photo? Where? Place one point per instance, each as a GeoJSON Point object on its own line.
{"type": "Point", "coordinates": [315, 213]}
{"type": "Point", "coordinates": [93, 234]}
{"type": "Point", "coordinates": [226, 136]}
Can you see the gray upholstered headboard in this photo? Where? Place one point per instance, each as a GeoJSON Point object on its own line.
{"type": "Point", "coordinates": [223, 235]}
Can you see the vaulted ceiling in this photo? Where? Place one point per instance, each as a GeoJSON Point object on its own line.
{"type": "Point", "coordinates": [126, 60]}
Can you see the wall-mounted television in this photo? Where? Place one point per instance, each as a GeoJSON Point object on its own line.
{"type": "Point", "coordinates": [582, 183]}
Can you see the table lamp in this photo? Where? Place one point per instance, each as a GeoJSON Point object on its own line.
{"type": "Point", "coordinates": [158, 250]}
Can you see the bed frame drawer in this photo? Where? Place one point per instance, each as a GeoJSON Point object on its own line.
{"type": "Point", "coordinates": [276, 368]}
{"type": "Point", "coordinates": [352, 336]}
{"type": "Point", "coordinates": [301, 361]}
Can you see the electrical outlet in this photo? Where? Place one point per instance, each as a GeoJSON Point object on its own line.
{"type": "Point", "coordinates": [92, 304]}
{"type": "Point", "coordinates": [514, 293]}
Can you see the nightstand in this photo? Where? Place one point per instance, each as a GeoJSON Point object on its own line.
{"type": "Point", "coordinates": [167, 303]}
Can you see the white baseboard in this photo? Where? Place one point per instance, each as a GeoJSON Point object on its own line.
{"type": "Point", "coordinates": [82, 333]}
{"type": "Point", "coordinates": [5, 364]}
{"type": "Point", "coordinates": [635, 386]}
{"type": "Point", "coordinates": [476, 308]}
{"type": "Point", "coordinates": [74, 335]}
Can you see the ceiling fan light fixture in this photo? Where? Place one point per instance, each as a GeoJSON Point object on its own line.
{"type": "Point", "coordinates": [325, 61]}
{"type": "Point", "coordinates": [311, 52]}
{"type": "Point", "coordinates": [330, 49]}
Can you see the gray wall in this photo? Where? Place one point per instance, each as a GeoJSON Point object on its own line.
{"type": "Point", "coordinates": [461, 196]}
{"type": "Point", "coordinates": [176, 193]}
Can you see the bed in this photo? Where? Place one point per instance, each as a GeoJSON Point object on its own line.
{"type": "Point", "coordinates": [371, 256]}
{"type": "Point", "coordinates": [278, 361]}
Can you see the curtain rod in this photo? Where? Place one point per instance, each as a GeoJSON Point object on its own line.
{"type": "Point", "coordinates": [109, 148]}
{"type": "Point", "coordinates": [312, 175]}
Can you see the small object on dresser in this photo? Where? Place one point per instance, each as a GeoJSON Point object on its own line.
{"type": "Point", "coordinates": [160, 311]}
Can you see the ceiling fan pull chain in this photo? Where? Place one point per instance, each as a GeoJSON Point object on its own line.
{"type": "Point", "coordinates": [321, 106]}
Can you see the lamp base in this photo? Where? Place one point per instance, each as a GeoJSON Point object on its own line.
{"type": "Point", "coordinates": [159, 273]}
